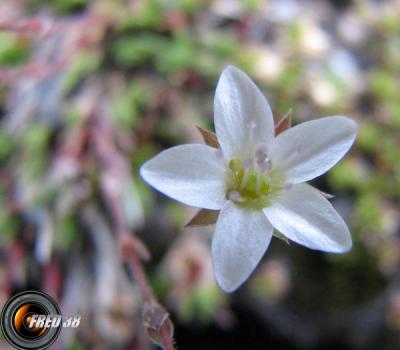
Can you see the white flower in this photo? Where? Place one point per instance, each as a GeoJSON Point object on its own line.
{"type": "Point", "coordinates": [257, 181]}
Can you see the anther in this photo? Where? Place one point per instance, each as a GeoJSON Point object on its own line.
{"type": "Point", "coordinates": [261, 154]}
{"type": "Point", "coordinates": [263, 149]}
{"type": "Point", "coordinates": [266, 165]}
{"type": "Point", "coordinates": [234, 196]}
{"type": "Point", "coordinates": [287, 186]}
{"type": "Point", "coordinates": [219, 153]}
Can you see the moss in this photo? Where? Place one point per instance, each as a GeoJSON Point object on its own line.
{"type": "Point", "coordinates": [347, 174]}
{"type": "Point", "coordinates": [5, 145]}
{"type": "Point", "coordinates": [68, 6]}
{"type": "Point", "coordinates": [130, 105]}
{"type": "Point", "coordinates": [148, 14]}
{"type": "Point", "coordinates": [83, 65]}
{"type": "Point", "coordinates": [131, 51]}
{"type": "Point", "coordinates": [14, 49]}
{"type": "Point", "coordinates": [368, 212]}
{"type": "Point", "coordinates": [67, 232]}
{"type": "Point", "coordinates": [383, 84]}
{"type": "Point", "coordinates": [369, 136]}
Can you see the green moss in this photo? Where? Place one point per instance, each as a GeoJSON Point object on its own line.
{"type": "Point", "coordinates": [347, 174]}
{"type": "Point", "coordinates": [129, 106]}
{"type": "Point", "coordinates": [253, 5]}
{"type": "Point", "coordinates": [68, 232]}
{"type": "Point", "coordinates": [148, 14]}
{"type": "Point", "coordinates": [5, 145]}
{"type": "Point", "coordinates": [176, 214]}
{"type": "Point", "coordinates": [369, 136]}
{"type": "Point", "coordinates": [200, 304]}
{"type": "Point", "coordinates": [389, 151]}
{"type": "Point", "coordinates": [84, 64]}
{"type": "Point", "coordinates": [131, 51]}
{"type": "Point", "coordinates": [73, 116]}
{"type": "Point", "coordinates": [294, 33]}
{"type": "Point", "coordinates": [390, 23]}
{"type": "Point", "coordinates": [9, 226]}
{"type": "Point", "coordinates": [394, 112]}
{"type": "Point", "coordinates": [36, 138]}
{"type": "Point", "coordinates": [13, 49]}
{"type": "Point", "coordinates": [66, 6]}
{"type": "Point", "coordinates": [142, 153]}
{"type": "Point", "coordinates": [383, 84]}
{"type": "Point", "coordinates": [290, 77]}
{"type": "Point", "coordinates": [135, 50]}
{"type": "Point", "coordinates": [368, 212]}
{"type": "Point", "coordinates": [144, 193]}
{"type": "Point", "coordinates": [34, 143]}
{"type": "Point", "coordinates": [179, 53]}
{"type": "Point", "coordinates": [160, 285]}
{"type": "Point", "coordinates": [354, 279]}
{"type": "Point", "coordinates": [75, 345]}
{"type": "Point", "coordinates": [380, 184]}
{"type": "Point", "coordinates": [188, 6]}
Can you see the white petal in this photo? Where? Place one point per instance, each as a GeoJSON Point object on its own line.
{"type": "Point", "coordinates": [304, 216]}
{"type": "Point", "coordinates": [311, 148]}
{"type": "Point", "coordinates": [240, 240]}
{"type": "Point", "coordinates": [242, 116]}
{"type": "Point", "coordinates": [191, 174]}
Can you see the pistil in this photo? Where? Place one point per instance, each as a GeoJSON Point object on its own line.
{"type": "Point", "coordinates": [250, 184]}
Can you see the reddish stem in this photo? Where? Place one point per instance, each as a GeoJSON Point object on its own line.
{"type": "Point", "coordinates": [140, 277]}
{"type": "Point", "coordinates": [110, 160]}
{"type": "Point", "coordinates": [167, 342]}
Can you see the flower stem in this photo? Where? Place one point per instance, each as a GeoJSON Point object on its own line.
{"type": "Point", "coordinates": [156, 320]}
{"type": "Point", "coordinates": [140, 278]}
{"type": "Point", "coordinates": [166, 339]}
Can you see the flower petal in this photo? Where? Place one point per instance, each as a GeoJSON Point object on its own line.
{"type": "Point", "coordinates": [191, 174]}
{"type": "Point", "coordinates": [240, 240]}
{"type": "Point", "coordinates": [242, 116]}
{"type": "Point", "coordinates": [304, 216]}
{"type": "Point", "coordinates": [311, 148]}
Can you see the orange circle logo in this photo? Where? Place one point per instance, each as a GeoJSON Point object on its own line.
{"type": "Point", "coordinates": [31, 320]}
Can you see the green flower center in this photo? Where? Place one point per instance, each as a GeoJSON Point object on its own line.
{"type": "Point", "coordinates": [251, 186]}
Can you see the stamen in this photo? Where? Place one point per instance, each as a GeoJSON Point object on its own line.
{"type": "Point", "coordinates": [234, 196]}
{"type": "Point", "coordinates": [261, 154]}
{"type": "Point", "coordinates": [262, 150]}
{"type": "Point", "coordinates": [260, 159]}
{"type": "Point", "coordinates": [287, 186]}
{"type": "Point", "coordinates": [219, 153]}
{"type": "Point", "coordinates": [251, 186]}
{"type": "Point", "coordinates": [235, 166]}
{"type": "Point", "coordinates": [266, 165]}
{"type": "Point", "coordinates": [245, 179]}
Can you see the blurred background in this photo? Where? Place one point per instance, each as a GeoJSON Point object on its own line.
{"type": "Point", "coordinates": [91, 89]}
